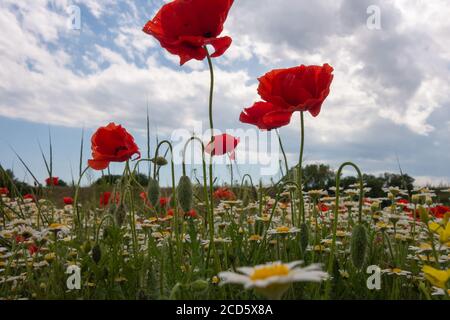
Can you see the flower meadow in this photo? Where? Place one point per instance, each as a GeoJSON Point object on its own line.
{"type": "Point", "coordinates": [201, 240]}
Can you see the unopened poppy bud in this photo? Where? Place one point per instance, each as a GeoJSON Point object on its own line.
{"type": "Point", "coordinates": [375, 206]}
{"type": "Point", "coordinates": [184, 193]}
{"type": "Point", "coordinates": [119, 213]}
{"type": "Point", "coordinates": [358, 246]}
{"type": "Point", "coordinates": [304, 236]}
{"type": "Point", "coordinates": [159, 161]}
{"type": "Point", "coordinates": [199, 285]}
{"type": "Point", "coordinates": [96, 253]}
{"type": "Point", "coordinates": [424, 217]}
{"type": "Point", "coordinates": [87, 247]}
{"type": "Point", "coordinates": [153, 191]}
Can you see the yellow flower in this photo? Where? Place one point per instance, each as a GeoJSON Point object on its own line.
{"type": "Point", "coordinates": [255, 237]}
{"type": "Point", "coordinates": [269, 271]}
{"type": "Point", "coordinates": [442, 231]}
{"type": "Point", "coordinates": [49, 257]}
{"type": "Point", "coordinates": [438, 278]}
{"type": "Point", "coordinates": [283, 229]}
{"type": "Point", "coordinates": [215, 280]}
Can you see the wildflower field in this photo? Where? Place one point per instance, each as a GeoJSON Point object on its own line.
{"type": "Point", "coordinates": [129, 238]}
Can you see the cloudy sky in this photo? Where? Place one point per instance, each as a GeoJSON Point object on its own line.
{"type": "Point", "coordinates": [389, 98]}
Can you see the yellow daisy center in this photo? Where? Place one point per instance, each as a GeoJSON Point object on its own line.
{"type": "Point", "coordinates": [265, 272]}
{"type": "Point", "coordinates": [283, 229]}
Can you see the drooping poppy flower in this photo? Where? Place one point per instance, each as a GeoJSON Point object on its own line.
{"type": "Point", "coordinates": [224, 194]}
{"type": "Point", "coordinates": [163, 202]}
{"type": "Point", "coordinates": [222, 144]}
{"type": "Point", "coordinates": [302, 88]}
{"type": "Point", "coordinates": [105, 198]}
{"type": "Point", "coordinates": [68, 200]}
{"type": "Point", "coordinates": [266, 116]}
{"type": "Point", "coordinates": [53, 181]}
{"type": "Point", "coordinates": [111, 144]}
{"type": "Point", "coordinates": [439, 211]}
{"type": "Point", "coordinates": [4, 191]}
{"type": "Point", "coordinates": [185, 27]}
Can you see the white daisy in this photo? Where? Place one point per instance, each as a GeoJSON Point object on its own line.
{"type": "Point", "coordinates": [274, 278]}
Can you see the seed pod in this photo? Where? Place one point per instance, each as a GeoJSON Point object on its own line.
{"type": "Point", "coordinates": [120, 213]}
{"type": "Point", "coordinates": [358, 245]}
{"type": "Point", "coordinates": [304, 236]}
{"type": "Point", "coordinates": [159, 161]}
{"type": "Point", "coordinates": [96, 253]}
{"type": "Point", "coordinates": [184, 193]}
{"type": "Point", "coordinates": [153, 191]}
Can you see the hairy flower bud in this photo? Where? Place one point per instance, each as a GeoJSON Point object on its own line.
{"type": "Point", "coordinates": [304, 236]}
{"type": "Point", "coordinates": [184, 193]}
{"type": "Point", "coordinates": [153, 191]}
{"type": "Point", "coordinates": [358, 245]}
{"type": "Point", "coordinates": [96, 253]}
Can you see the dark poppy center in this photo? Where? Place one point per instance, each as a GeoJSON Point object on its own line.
{"type": "Point", "coordinates": [207, 34]}
{"type": "Point", "coordinates": [118, 149]}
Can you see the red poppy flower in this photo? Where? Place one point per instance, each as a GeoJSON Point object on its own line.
{"type": "Point", "coordinates": [224, 194]}
{"type": "Point", "coordinates": [170, 212]}
{"type": "Point", "coordinates": [19, 239]}
{"type": "Point", "coordinates": [191, 214]}
{"type": "Point", "coordinates": [163, 202]}
{"type": "Point", "coordinates": [4, 191]}
{"type": "Point", "coordinates": [266, 116]}
{"type": "Point", "coordinates": [112, 144]}
{"type": "Point", "coordinates": [439, 211]}
{"type": "Point", "coordinates": [323, 207]}
{"type": "Point", "coordinates": [30, 197]}
{"type": "Point", "coordinates": [105, 198]}
{"type": "Point", "coordinates": [222, 144]}
{"type": "Point", "coordinates": [32, 249]}
{"type": "Point", "coordinates": [185, 27]}
{"type": "Point", "coordinates": [302, 88]}
{"type": "Point", "coordinates": [68, 200]}
{"type": "Point", "coordinates": [53, 181]}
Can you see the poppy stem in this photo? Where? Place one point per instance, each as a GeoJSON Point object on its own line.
{"type": "Point", "coordinates": [211, 176]}
{"type": "Point", "coordinates": [300, 170]}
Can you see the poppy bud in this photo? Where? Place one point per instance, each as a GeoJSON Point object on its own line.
{"type": "Point", "coordinates": [159, 161]}
{"type": "Point", "coordinates": [304, 236]}
{"type": "Point", "coordinates": [87, 247]}
{"type": "Point", "coordinates": [153, 191]}
{"type": "Point", "coordinates": [96, 253]}
{"type": "Point", "coordinates": [415, 198]}
{"type": "Point", "coordinates": [199, 285]}
{"type": "Point", "coordinates": [358, 245]}
{"type": "Point", "coordinates": [119, 213]}
{"type": "Point", "coordinates": [424, 217]}
{"type": "Point", "coordinates": [184, 193]}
